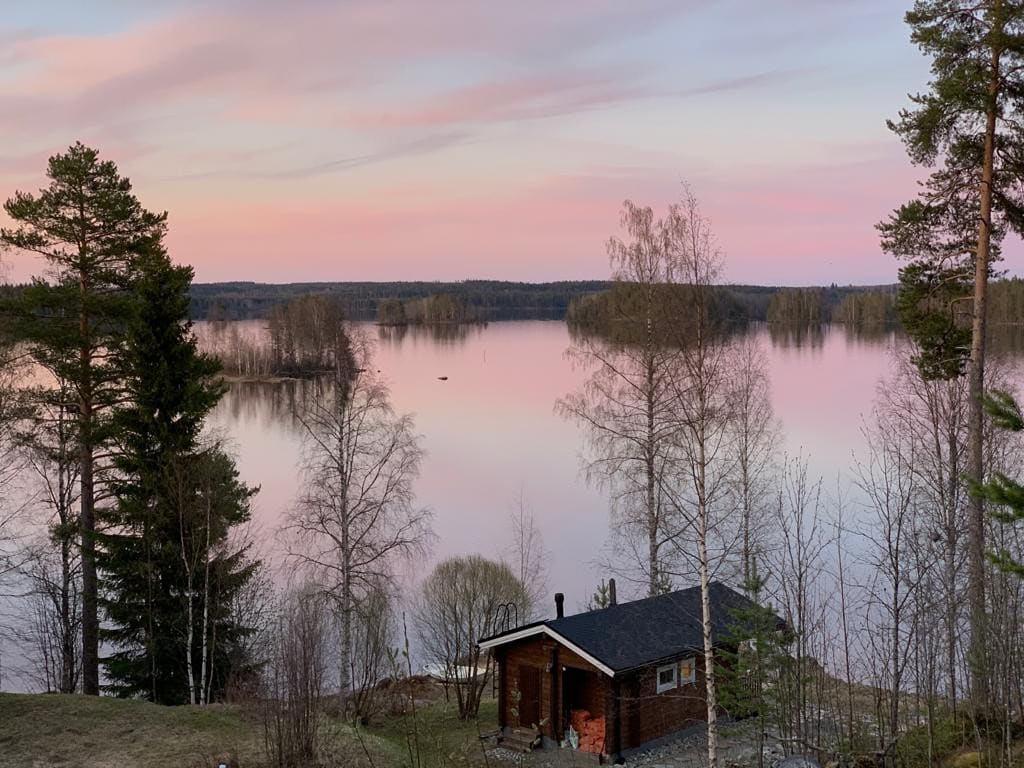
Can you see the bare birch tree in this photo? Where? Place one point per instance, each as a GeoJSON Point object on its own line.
{"type": "Point", "coordinates": [48, 443]}
{"type": "Point", "coordinates": [625, 404]}
{"type": "Point", "coordinates": [527, 557]}
{"type": "Point", "coordinates": [756, 439]}
{"type": "Point", "coordinates": [887, 480]}
{"type": "Point", "coordinates": [702, 410]}
{"type": "Point", "coordinates": [356, 519]}
{"type": "Point", "coordinates": [798, 566]}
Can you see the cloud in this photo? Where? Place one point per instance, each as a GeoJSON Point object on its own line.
{"type": "Point", "coordinates": [544, 94]}
{"type": "Point", "coordinates": [422, 146]}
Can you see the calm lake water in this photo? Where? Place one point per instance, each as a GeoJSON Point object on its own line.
{"type": "Point", "coordinates": [491, 435]}
{"type": "Point", "coordinates": [490, 431]}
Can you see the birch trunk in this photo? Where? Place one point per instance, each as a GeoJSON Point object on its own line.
{"type": "Point", "coordinates": [711, 691]}
{"type": "Point", "coordinates": [203, 672]}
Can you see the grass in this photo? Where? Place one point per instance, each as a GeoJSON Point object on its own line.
{"type": "Point", "coordinates": [89, 732]}
{"type": "Point", "coordinates": [443, 739]}
{"type": "Point", "coordinates": [51, 730]}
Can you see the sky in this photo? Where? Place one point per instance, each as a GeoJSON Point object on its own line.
{"type": "Point", "coordinates": [451, 139]}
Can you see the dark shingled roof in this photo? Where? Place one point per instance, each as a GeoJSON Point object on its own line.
{"type": "Point", "coordinates": [642, 632]}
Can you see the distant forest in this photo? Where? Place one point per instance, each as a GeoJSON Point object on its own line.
{"type": "Point", "coordinates": [487, 299]}
{"type": "Point", "coordinates": [580, 302]}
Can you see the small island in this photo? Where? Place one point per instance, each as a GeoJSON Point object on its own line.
{"type": "Point", "coordinates": [436, 309]}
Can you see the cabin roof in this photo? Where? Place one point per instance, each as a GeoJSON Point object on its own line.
{"type": "Point", "coordinates": [641, 632]}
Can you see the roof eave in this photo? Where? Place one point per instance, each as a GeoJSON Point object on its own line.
{"type": "Point", "coordinates": [544, 629]}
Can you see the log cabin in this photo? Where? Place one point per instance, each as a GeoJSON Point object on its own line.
{"type": "Point", "coordinates": [611, 681]}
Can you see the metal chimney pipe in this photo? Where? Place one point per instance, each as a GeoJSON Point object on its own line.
{"type": "Point", "coordinates": [611, 593]}
{"type": "Point", "coordinates": [559, 605]}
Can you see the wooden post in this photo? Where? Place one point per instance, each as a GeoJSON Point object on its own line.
{"type": "Point", "coordinates": [556, 690]}
{"type": "Point", "coordinates": [615, 720]}
{"type": "Point", "coordinates": [499, 659]}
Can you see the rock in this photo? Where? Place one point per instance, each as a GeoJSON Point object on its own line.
{"type": "Point", "coordinates": [799, 761]}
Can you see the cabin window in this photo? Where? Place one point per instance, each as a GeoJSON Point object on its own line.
{"type": "Point", "coordinates": [688, 671]}
{"type": "Point", "coordinates": [667, 678]}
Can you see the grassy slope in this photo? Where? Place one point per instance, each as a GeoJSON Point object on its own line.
{"type": "Point", "coordinates": [51, 730]}
{"type": "Point", "coordinates": [37, 730]}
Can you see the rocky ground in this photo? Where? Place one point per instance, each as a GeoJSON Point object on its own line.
{"type": "Point", "coordinates": [737, 749]}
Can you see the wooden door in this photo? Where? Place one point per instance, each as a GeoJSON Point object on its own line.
{"type": "Point", "coordinates": [529, 696]}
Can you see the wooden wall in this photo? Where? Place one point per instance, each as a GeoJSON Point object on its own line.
{"type": "Point", "coordinates": [645, 714]}
{"type": "Point", "coordinates": [648, 715]}
{"type": "Point", "coordinates": [543, 653]}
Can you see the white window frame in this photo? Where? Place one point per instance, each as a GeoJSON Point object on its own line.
{"type": "Point", "coordinates": [692, 661]}
{"type": "Point", "coordinates": [662, 687]}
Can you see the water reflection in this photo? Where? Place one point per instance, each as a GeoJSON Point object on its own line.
{"type": "Point", "coordinates": [796, 335]}
{"type": "Point", "coordinates": [445, 334]}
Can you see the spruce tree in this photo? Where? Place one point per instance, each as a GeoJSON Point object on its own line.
{"type": "Point", "coordinates": [752, 659]}
{"type": "Point", "coordinates": [968, 124]}
{"type": "Point", "coordinates": [170, 572]}
{"type": "Point", "coordinates": [91, 230]}
{"type": "Point", "coordinates": [1005, 493]}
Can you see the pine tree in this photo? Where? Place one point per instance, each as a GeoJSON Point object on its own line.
{"type": "Point", "coordinates": [91, 230]}
{"type": "Point", "coordinates": [170, 572]}
{"type": "Point", "coordinates": [970, 120]}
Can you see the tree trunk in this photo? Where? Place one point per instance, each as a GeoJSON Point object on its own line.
{"type": "Point", "coordinates": [709, 655]}
{"type": "Point", "coordinates": [976, 384]}
{"type": "Point", "coordinates": [87, 527]}
{"type": "Point", "coordinates": [711, 692]}
{"type": "Point", "coordinates": [203, 671]}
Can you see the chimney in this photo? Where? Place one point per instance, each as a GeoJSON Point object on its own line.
{"type": "Point", "coordinates": [559, 605]}
{"type": "Point", "coordinates": [611, 593]}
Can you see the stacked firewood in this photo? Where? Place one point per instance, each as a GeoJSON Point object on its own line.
{"type": "Point", "coordinates": [590, 730]}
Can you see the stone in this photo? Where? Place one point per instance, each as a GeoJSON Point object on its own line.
{"type": "Point", "coordinates": [798, 761]}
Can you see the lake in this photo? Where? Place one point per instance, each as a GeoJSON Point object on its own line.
{"type": "Point", "coordinates": [491, 433]}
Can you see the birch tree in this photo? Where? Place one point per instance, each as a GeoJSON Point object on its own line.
{"type": "Point", "coordinates": [888, 483]}
{"type": "Point", "coordinates": [625, 403]}
{"type": "Point", "coordinates": [702, 411]}
{"type": "Point", "coordinates": [47, 441]}
{"type": "Point", "coordinates": [756, 437]}
{"type": "Point", "coordinates": [356, 521]}
{"type": "Point", "coordinates": [527, 556]}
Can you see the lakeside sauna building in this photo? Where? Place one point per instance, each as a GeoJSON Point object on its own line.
{"type": "Point", "coordinates": [623, 677]}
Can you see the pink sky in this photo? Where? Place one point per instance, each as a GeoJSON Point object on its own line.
{"type": "Point", "coordinates": [405, 140]}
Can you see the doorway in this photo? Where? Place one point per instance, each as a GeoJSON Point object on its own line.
{"type": "Point", "coordinates": [529, 696]}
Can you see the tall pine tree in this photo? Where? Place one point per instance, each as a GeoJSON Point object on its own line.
{"type": "Point", "coordinates": [169, 566]}
{"type": "Point", "coordinates": [968, 124]}
{"type": "Point", "coordinates": [91, 230]}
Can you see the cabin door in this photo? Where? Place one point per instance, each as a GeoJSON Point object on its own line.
{"type": "Point", "coordinates": [529, 696]}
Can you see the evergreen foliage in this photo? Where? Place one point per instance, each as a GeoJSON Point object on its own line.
{"type": "Point", "coordinates": [752, 658]}
{"type": "Point", "coordinates": [92, 231]}
{"type": "Point", "coordinates": [977, 53]}
{"type": "Point", "coordinates": [170, 568]}
{"type": "Point", "coordinates": [1005, 493]}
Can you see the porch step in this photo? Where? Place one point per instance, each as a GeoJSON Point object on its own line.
{"type": "Point", "coordinates": [521, 739]}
